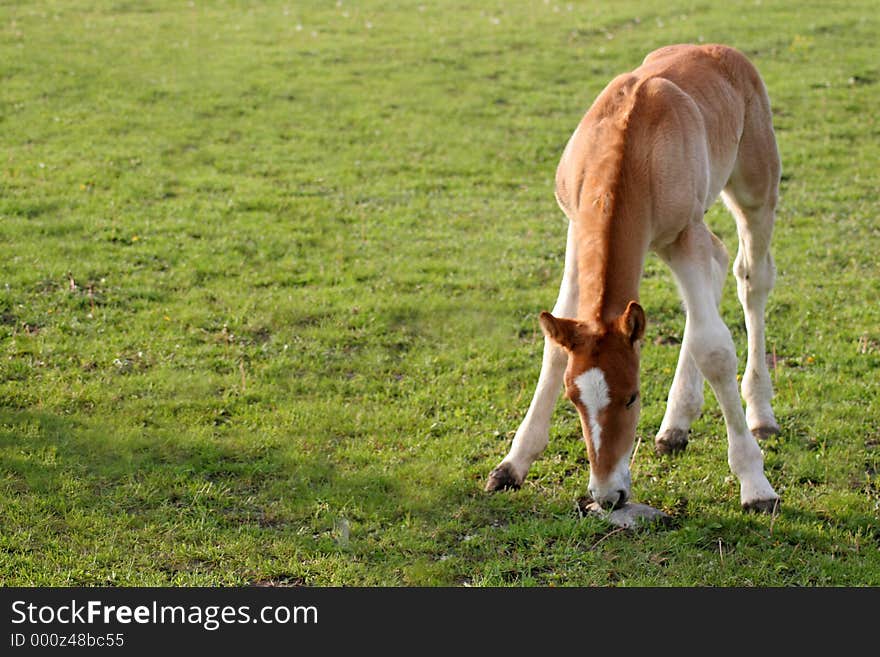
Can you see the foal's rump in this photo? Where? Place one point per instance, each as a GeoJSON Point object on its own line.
{"type": "Point", "coordinates": [661, 142]}
{"type": "Point", "coordinates": [733, 102]}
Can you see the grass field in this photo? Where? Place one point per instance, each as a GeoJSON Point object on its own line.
{"type": "Point", "coordinates": [269, 284]}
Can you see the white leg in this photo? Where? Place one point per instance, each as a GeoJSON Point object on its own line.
{"type": "Point", "coordinates": [533, 433]}
{"type": "Point", "coordinates": [751, 195]}
{"type": "Point", "coordinates": [710, 345]}
{"type": "Point", "coordinates": [755, 274]}
{"type": "Point", "coordinates": [685, 402]}
{"type": "Point", "coordinates": [684, 405]}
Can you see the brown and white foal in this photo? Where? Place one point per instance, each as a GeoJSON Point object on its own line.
{"type": "Point", "coordinates": [648, 159]}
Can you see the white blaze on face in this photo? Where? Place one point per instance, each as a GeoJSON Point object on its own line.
{"type": "Point", "coordinates": [594, 397]}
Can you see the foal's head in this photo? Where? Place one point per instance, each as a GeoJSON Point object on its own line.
{"type": "Point", "coordinates": [602, 380]}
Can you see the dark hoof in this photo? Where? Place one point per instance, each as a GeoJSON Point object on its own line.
{"type": "Point", "coordinates": [501, 478]}
{"type": "Point", "coordinates": [760, 433]}
{"type": "Point", "coordinates": [671, 441]}
{"type": "Point", "coordinates": [763, 506]}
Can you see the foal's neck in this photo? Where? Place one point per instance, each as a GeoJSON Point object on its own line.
{"type": "Point", "coordinates": [611, 255]}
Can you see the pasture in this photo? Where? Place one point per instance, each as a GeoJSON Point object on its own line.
{"type": "Point", "coordinates": [270, 276]}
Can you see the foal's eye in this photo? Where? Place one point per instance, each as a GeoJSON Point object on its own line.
{"type": "Point", "coordinates": [632, 400]}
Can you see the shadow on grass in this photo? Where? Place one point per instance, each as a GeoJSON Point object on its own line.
{"type": "Point", "coordinates": [306, 512]}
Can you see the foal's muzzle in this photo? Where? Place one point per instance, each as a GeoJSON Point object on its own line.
{"type": "Point", "coordinates": [613, 499]}
{"type": "Point", "coordinates": [612, 492]}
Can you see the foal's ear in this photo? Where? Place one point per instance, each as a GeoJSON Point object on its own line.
{"type": "Point", "coordinates": [564, 332]}
{"type": "Point", "coordinates": [632, 322]}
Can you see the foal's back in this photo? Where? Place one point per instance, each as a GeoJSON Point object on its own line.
{"type": "Point", "coordinates": [661, 142]}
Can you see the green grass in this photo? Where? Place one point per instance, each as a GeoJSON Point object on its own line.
{"type": "Point", "coordinates": [269, 284]}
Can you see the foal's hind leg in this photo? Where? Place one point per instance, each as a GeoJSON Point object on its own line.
{"type": "Point", "coordinates": [755, 274]}
{"type": "Point", "coordinates": [533, 433]}
{"type": "Point", "coordinates": [685, 402]}
{"type": "Point", "coordinates": [751, 195]}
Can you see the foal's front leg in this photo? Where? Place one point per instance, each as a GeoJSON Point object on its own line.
{"type": "Point", "coordinates": [710, 345]}
{"type": "Point", "coordinates": [533, 434]}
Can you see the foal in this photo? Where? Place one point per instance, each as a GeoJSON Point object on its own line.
{"type": "Point", "coordinates": [642, 168]}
